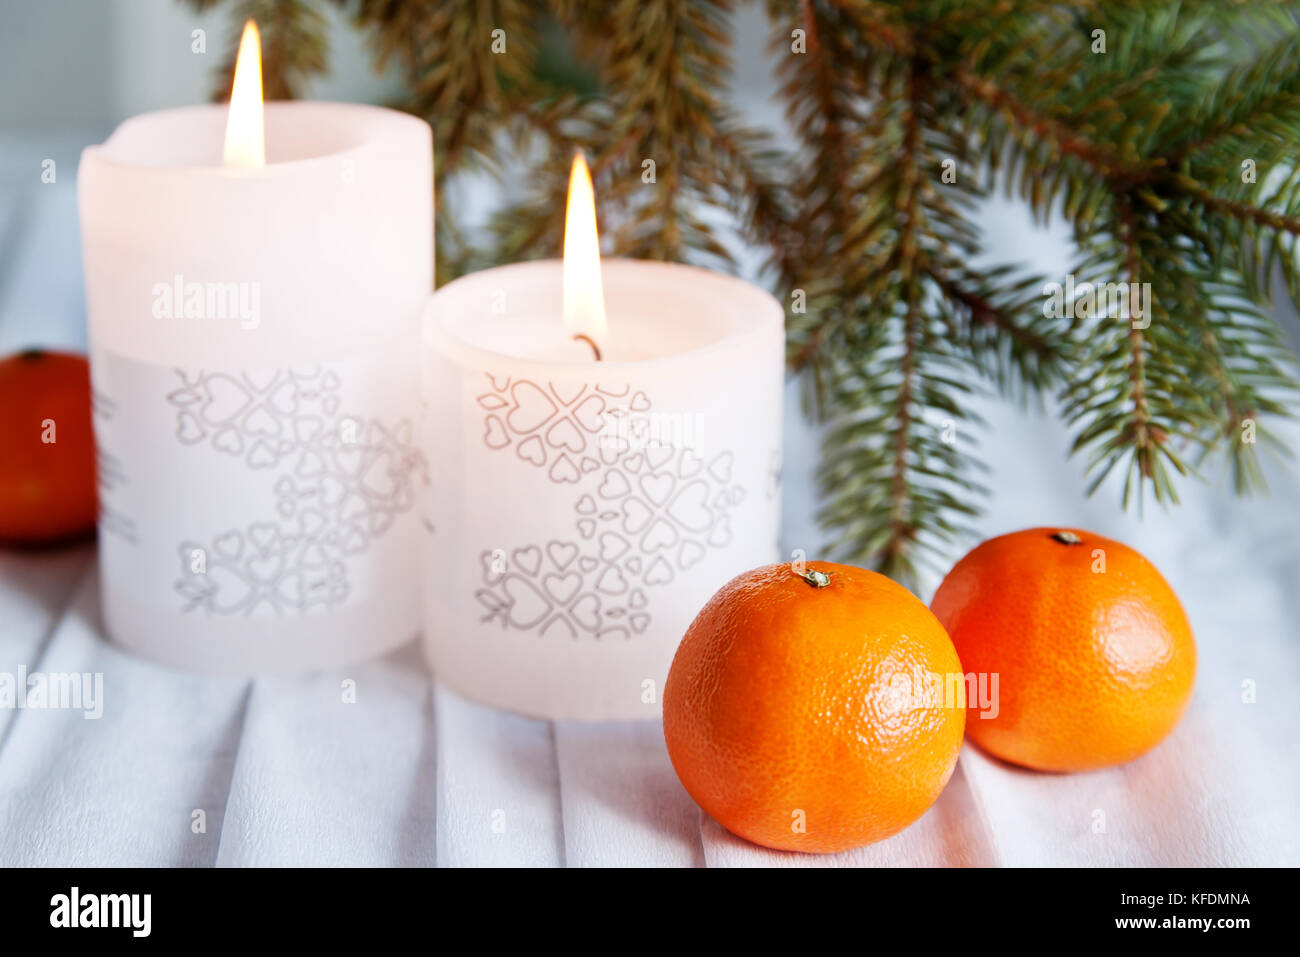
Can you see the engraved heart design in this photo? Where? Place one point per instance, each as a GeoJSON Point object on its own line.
{"type": "Point", "coordinates": [227, 398]}
{"type": "Point", "coordinates": [614, 486]}
{"type": "Point", "coordinates": [689, 465]}
{"type": "Point", "coordinates": [562, 554]}
{"type": "Point", "coordinates": [691, 553]}
{"type": "Point", "coordinates": [563, 470]}
{"type": "Point", "coordinates": [613, 546]}
{"type": "Point", "coordinates": [349, 459]}
{"type": "Point", "coordinates": [720, 467]}
{"type": "Point", "coordinates": [310, 523]}
{"type": "Point", "coordinates": [266, 567]}
{"type": "Point", "coordinates": [285, 399]}
{"type": "Point", "coordinates": [590, 413]}
{"type": "Point", "coordinates": [637, 599]}
{"type": "Point", "coordinates": [586, 527]}
{"type": "Point", "coordinates": [307, 428]}
{"type": "Point", "coordinates": [720, 537]}
{"type": "Point", "coordinates": [611, 582]}
{"type": "Point", "coordinates": [533, 407]}
{"type": "Point", "coordinates": [638, 433]}
{"type": "Point", "coordinates": [567, 392]}
{"type": "Point", "coordinates": [659, 572]}
{"type": "Point", "coordinates": [639, 623]}
{"type": "Point", "coordinates": [491, 401]}
{"type": "Point", "coordinates": [661, 534]}
{"type": "Point", "coordinates": [690, 508]}
{"type": "Point", "coordinates": [527, 606]}
{"type": "Point", "coordinates": [587, 563]}
{"type": "Point", "coordinates": [562, 586]}
{"type": "Point", "coordinates": [261, 422]}
{"type": "Point", "coordinates": [331, 491]}
{"type": "Point", "coordinates": [658, 455]}
{"type": "Point", "coordinates": [565, 435]}
{"type": "Point", "coordinates": [657, 487]}
{"type": "Point", "coordinates": [586, 612]}
{"type": "Point", "coordinates": [188, 429]}
{"type": "Point", "coordinates": [229, 590]}
{"type": "Point", "coordinates": [290, 590]}
{"type": "Point", "coordinates": [355, 540]}
{"type": "Point", "coordinates": [380, 477]}
{"type": "Point", "coordinates": [495, 435]}
{"type": "Point", "coordinates": [263, 535]}
{"type": "Point", "coordinates": [262, 456]}
{"type": "Point", "coordinates": [531, 450]}
{"type": "Point", "coordinates": [353, 507]}
{"type": "Point", "coordinates": [529, 559]}
{"type": "Point", "coordinates": [229, 440]}
{"type": "Point", "coordinates": [586, 505]}
{"type": "Point", "coordinates": [310, 464]}
{"type": "Point", "coordinates": [636, 515]}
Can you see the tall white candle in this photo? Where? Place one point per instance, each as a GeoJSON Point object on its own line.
{"type": "Point", "coordinates": [255, 385]}
{"type": "Point", "coordinates": [582, 512]}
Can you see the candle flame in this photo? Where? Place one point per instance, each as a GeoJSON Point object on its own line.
{"type": "Point", "coordinates": [245, 140]}
{"type": "Point", "coordinates": [584, 297]}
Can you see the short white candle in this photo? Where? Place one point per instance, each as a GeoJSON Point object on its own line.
{"type": "Point", "coordinates": [255, 389]}
{"type": "Point", "coordinates": [583, 512]}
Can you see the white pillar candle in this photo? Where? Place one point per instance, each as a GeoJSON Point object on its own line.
{"type": "Point", "coordinates": [583, 512]}
{"type": "Point", "coordinates": [251, 335]}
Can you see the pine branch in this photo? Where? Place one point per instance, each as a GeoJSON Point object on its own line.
{"type": "Point", "coordinates": [902, 531]}
{"type": "Point", "coordinates": [1174, 155]}
{"type": "Point", "coordinates": [294, 44]}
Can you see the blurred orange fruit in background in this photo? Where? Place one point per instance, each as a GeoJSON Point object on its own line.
{"type": "Point", "coordinates": [1093, 652]}
{"type": "Point", "coordinates": [807, 711]}
{"type": "Point", "coordinates": [47, 448]}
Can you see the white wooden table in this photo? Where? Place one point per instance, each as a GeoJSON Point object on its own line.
{"type": "Point", "coordinates": [284, 772]}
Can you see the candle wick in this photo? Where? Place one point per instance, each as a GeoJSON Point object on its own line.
{"type": "Point", "coordinates": [589, 341]}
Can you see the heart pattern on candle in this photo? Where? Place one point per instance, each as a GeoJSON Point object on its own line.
{"type": "Point", "coordinates": [260, 417]}
{"type": "Point", "coordinates": [671, 508]}
{"type": "Point", "coordinates": [341, 482]}
{"type": "Point", "coordinates": [553, 591]}
{"type": "Point", "coordinates": [555, 427]}
{"type": "Point", "coordinates": [644, 512]}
